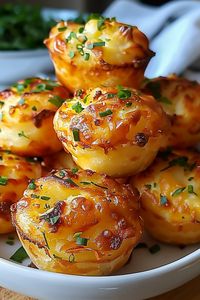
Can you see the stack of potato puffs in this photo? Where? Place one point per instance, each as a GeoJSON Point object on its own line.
{"type": "Point", "coordinates": [91, 160]}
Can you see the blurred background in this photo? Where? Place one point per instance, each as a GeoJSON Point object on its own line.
{"type": "Point", "coordinates": [80, 5]}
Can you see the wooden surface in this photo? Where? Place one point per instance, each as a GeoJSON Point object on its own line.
{"type": "Point", "coordinates": [189, 291]}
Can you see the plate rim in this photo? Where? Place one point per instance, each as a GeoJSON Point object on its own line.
{"type": "Point", "coordinates": [180, 263]}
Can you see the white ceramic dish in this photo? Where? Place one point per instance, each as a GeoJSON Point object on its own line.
{"type": "Point", "coordinates": [146, 275]}
{"type": "Point", "coordinates": [16, 65]}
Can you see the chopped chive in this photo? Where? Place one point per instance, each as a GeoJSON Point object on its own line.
{"type": "Point", "coordinates": [3, 180]}
{"type": "Point", "coordinates": [22, 134]}
{"type": "Point", "coordinates": [105, 113]}
{"type": "Point", "coordinates": [110, 95]}
{"type": "Point", "coordinates": [86, 56]}
{"type": "Point", "coordinates": [100, 23]}
{"type": "Point", "coordinates": [62, 173]}
{"type": "Point", "coordinates": [154, 249]}
{"type": "Point", "coordinates": [123, 93]}
{"type": "Point", "coordinates": [71, 182]}
{"type": "Point", "coordinates": [99, 44]}
{"type": "Point", "coordinates": [45, 198]}
{"type": "Point", "coordinates": [102, 187]}
{"type": "Point", "coordinates": [70, 36]}
{"type": "Point", "coordinates": [34, 196]}
{"type": "Point", "coordinates": [20, 255]}
{"type": "Point", "coordinates": [44, 235]}
{"type": "Point", "coordinates": [56, 100]}
{"type": "Point", "coordinates": [85, 182]}
{"type": "Point", "coordinates": [1, 103]}
{"type": "Point", "coordinates": [62, 28]}
{"type": "Point", "coordinates": [32, 185]}
{"type": "Point", "coordinates": [191, 189]}
{"type": "Point", "coordinates": [20, 87]}
{"type": "Point", "coordinates": [81, 241]}
{"type": "Point", "coordinates": [11, 243]}
{"type": "Point", "coordinates": [71, 54]}
{"type": "Point", "coordinates": [76, 135]}
{"type": "Point", "coordinates": [77, 107]}
{"type": "Point", "coordinates": [34, 108]}
{"type": "Point", "coordinates": [163, 200]}
{"type": "Point", "coordinates": [96, 44]}
{"type": "Point", "coordinates": [74, 170]}
{"type": "Point", "coordinates": [190, 178]}
{"type": "Point", "coordinates": [178, 191]}
{"type": "Point", "coordinates": [81, 29]}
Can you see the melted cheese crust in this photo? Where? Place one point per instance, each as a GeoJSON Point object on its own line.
{"type": "Point", "coordinates": [170, 198]}
{"type": "Point", "coordinates": [183, 109]}
{"type": "Point", "coordinates": [68, 206]}
{"type": "Point", "coordinates": [115, 54]}
{"type": "Point", "coordinates": [26, 117]}
{"type": "Point", "coordinates": [15, 174]}
{"type": "Point", "coordinates": [116, 136]}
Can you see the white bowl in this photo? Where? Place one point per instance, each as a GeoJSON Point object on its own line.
{"type": "Point", "coordinates": [20, 64]}
{"type": "Point", "coordinates": [145, 276]}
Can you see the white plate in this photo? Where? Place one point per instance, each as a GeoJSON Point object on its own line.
{"type": "Point", "coordinates": [146, 275]}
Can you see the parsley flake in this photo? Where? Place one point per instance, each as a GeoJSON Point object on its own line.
{"type": "Point", "coordinates": [77, 107]}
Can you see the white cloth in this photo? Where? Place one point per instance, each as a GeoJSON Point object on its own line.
{"type": "Point", "coordinates": [176, 43]}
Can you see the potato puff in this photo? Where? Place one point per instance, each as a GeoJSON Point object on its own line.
{"type": "Point", "coordinates": [170, 197]}
{"type": "Point", "coordinates": [78, 223]}
{"type": "Point", "coordinates": [116, 131]}
{"type": "Point", "coordinates": [180, 99]}
{"type": "Point", "coordinates": [15, 174]}
{"type": "Point", "coordinates": [101, 52]}
{"type": "Point", "coordinates": [26, 117]}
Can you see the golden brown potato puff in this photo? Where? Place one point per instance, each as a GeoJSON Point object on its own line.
{"type": "Point", "coordinates": [26, 117]}
{"type": "Point", "coordinates": [101, 52]}
{"type": "Point", "coordinates": [15, 174]}
{"type": "Point", "coordinates": [170, 197]}
{"type": "Point", "coordinates": [78, 222]}
{"type": "Point", "coordinates": [116, 131]}
{"type": "Point", "coordinates": [180, 99]}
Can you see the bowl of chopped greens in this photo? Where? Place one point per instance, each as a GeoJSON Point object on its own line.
{"type": "Point", "coordinates": [22, 31]}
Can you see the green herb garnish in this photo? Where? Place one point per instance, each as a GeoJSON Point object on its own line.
{"type": "Point", "coordinates": [60, 29]}
{"type": "Point", "coordinates": [105, 113]}
{"type": "Point", "coordinates": [86, 56]}
{"type": "Point", "coordinates": [191, 189]}
{"type": "Point", "coordinates": [154, 249]}
{"type": "Point", "coordinates": [71, 182]}
{"type": "Point", "coordinates": [74, 170]}
{"type": "Point", "coordinates": [3, 180]}
{"type": "Point", "coordinates": [77, 107]}
{"type": "Point", "coordinates": [19, 256]}
{"type": "Point", "coordinates": [45, 198]}
{"type": "Point", "coordinates": [32, 185]}
{"type": "Point", "coordinates": [22, 134]}
{"type": "Point", "coordinates": [34, 108]}
{"type": "Point", "coordinates": [56, 100]}
{"type": "Point", "coordinates": [76, 135]}
{"type": "Point", "coordinates": [123, 93]}
{"type": "Point", "coordinates": [81, 241]}
{"type": "Point", "coordinates": [178, 191]}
